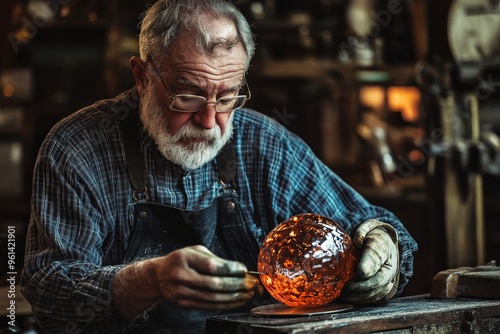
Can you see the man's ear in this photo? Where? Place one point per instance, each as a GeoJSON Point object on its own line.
{"type": "Point", "coordinates": [139, 70]}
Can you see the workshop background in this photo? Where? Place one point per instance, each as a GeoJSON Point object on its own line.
{"type": "Point", "coordinates": [400, 98]}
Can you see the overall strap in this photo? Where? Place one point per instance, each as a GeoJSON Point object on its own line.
{"type": "Point", "coordinates": [227, 166]}
{"type": "Point", "coordinates": [129, 127]}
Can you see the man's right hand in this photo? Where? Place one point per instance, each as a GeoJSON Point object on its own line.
{"type": "Point", "coordinates": [195, 278]}
{"type": "Point", "coordinates": [191, 277]}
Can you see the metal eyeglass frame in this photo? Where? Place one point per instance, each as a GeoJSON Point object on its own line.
{"type": "Point", "coordinates": [172, 97]}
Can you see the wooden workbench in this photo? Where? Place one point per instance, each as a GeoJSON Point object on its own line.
{"type": "Point", "coordinates": [415, 314]}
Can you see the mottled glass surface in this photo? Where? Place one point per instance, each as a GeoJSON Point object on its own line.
{"type": "Point", "coordinates": [306, 261]}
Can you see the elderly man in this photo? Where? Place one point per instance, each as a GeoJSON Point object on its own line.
{"type": "Point", "coordinates": [148, 209]}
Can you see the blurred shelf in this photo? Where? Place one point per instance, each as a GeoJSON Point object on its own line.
{"type": "Point", "coordinates": [312, 67]}
{"type": "Point", "coordinates": [75, 24]}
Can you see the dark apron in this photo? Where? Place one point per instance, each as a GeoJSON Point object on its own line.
{"type": "Point", "coordinates": [160, 229]}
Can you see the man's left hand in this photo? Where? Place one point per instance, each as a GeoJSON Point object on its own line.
{"type": "Point", "coordinates": [377, 272]}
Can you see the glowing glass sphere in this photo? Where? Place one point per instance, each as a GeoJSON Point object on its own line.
{"type": "Point", "coordinates": [306, 260]}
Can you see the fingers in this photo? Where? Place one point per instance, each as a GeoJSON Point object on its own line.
{"type": "Point", "coordinates": [203, 260]}
{"type": "Point", "coordinates": [364, 229]}
{"type": "Point", "coordinates": [382, 278]}
{"type": "Point", "coordinates": [215, 292]}
{"type": "Point", "coordinates": [193, 277]}
{"type": "Point", "coordinates": [383, 292]}
{"type": "Point", "coordinates": [378, 267]}
{"type": "Point", "coordinates": [187, 297]}
{"type": "Point", "coordinates": [224, 283]}
{"type": "Point", "coordinates": [380, 287]}
{"type": "Point", "coordinates": [370, 225]}
{"type": "Point", "coordinates": [378, 249]}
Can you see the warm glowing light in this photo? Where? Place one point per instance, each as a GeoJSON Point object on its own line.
{"type": "Point", "coordinates": [65, 11]}
{"type": "Point", "coordinates": [372, 97]}
{"type": "Point", "coordinates": [416, 156]}
{"type": "Point", "coordinates": [406, 100]}
{"type": "Point", "coordinates": [8, 90]}
{"type": "Point", "coordinates": [306, 260]}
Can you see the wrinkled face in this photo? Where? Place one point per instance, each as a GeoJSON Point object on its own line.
{"type": "Point", "coordinates": [191, 139]}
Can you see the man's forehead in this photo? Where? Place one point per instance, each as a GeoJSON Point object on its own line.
{"type": "Point", "coordinates": [223, 29]}
{"type": "Point", "coordinates": [225, 48]}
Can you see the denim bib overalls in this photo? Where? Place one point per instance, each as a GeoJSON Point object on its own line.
{"type": "Point", "coordinates": [160, 229]}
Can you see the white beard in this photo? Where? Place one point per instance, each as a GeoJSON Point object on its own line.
{"type": "Point", "coordinates": [179, 148]}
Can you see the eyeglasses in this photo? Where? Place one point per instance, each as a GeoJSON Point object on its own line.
{"type": "Point", "coordinates": [192, 103]}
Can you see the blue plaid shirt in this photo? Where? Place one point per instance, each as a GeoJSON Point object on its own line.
{"type": "Point", "coordinates": [81, 207]}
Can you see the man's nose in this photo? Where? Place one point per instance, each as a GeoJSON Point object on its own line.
{"type": "Point", "coordinates": [206, 116]}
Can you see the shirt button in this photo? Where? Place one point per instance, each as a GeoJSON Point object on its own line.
{"type": "Point", "coordinates": [230, 206]}
{"type": "Point", "coordinates": [143, 215]}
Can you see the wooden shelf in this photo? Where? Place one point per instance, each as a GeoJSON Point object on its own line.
{"type": "Point", "coordinates": [317, 68]}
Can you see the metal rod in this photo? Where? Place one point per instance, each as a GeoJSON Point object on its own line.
{"type": "Point", "coordinates": [251, 272]}
{"type": "Point", "coordinates": [478, 184]}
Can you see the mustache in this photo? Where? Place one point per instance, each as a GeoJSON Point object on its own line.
{"type": "Point", "coordinates": [190, 131]}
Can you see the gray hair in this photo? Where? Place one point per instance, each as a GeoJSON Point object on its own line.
{"type": "Point", "coordinates": [164, 20]}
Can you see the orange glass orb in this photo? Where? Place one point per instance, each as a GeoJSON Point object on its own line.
{"type": "Point", "coordinates": [306, 260]}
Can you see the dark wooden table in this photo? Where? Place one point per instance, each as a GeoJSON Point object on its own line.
{"type": "Point", "coordinates": [415, 314]}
